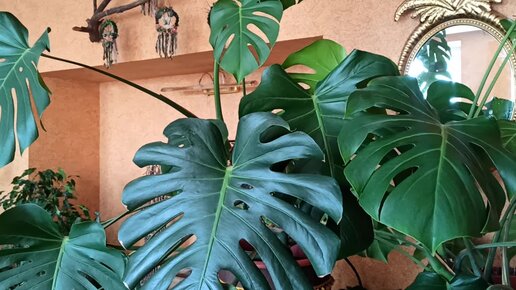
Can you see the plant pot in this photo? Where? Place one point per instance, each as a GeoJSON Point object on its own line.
{"type": "Point", "coordinates": [496, 276]}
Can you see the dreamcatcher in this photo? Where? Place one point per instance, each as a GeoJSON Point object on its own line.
{"type": "Point", "coordinates": [109, 33]}
{"type": "Point", "coordinates": [150, 7]}
{"type": "Point", "coordinates": [167, 22]}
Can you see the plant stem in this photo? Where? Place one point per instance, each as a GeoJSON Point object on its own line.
{"type": "Point", "coordinates": [489, 68]}
{"type": "Point", "coordinates": [106, 224]}
{"type": "Point", "coordinates": [353, 269]}
{"type": "Point", "coordinates": [244, 89]}
{"type": "Point", "coordinates": [505, 259]}
{"type": "Point", "coordinates": [493, 82]}
{"type": "Point", "coordinates": [216, 91]}
{"type": "Point", "coordinates": [160, 97]}
{"type": "Point", "coordinates": [492, 251]}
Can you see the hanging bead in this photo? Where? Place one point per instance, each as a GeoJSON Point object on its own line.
{"type": "Point", "coordinates": [167, 22]}
{"type": "Point", "coordinates": [109, 33]}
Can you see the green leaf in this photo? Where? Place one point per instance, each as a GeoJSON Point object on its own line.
{"type": "Point", "coordinates": [468, 282]}
{"type": "Point", "coordinates": [428, 281]}
{"type": "Point", "coordinates": [321, 57]}
{"type": "Point", "coordinates": [508, 134]}
{"type": "Point", "coordinates": [321, 115]}
{"type": "Point", "coordinates": [436, 199]}
{"type": "Point", "coordinates": [448, 99]}
{"type": "Point", "coordinates": [287, 3]}
{"type": "Point", "coordinates": [36, 256]}
{"type": "Point", "coordinates": [223, 200]}
{"type": "Point", "coordinates": [231, 33]}
{"type": "Point", "coordinates": [18, 74]}
{"type": "Point", "coordinates": [501, 109]}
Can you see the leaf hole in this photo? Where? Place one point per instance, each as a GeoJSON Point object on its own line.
{"type": "Point", "coordinates": [3, 60]}
{"type": "Point", "coordinates": [41, 273]}
{"type": "Point", "coordinates": [181, 145]}
{"type": "Point", "coordinates": [273, 132]}
{"type": "Point", "coordinates": [246, 186]}
{"type": "Point", "coordinates": [241, 205]}
{"type": "Point", "coordinates": [20, 69]}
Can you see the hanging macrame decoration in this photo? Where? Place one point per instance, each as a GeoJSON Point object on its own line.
{"type": "Point", "coordinates": [150, 7]}
{"type": "Point", "coordinates": [167, 22]}
{"type": "Point", "coordinates": [109, 34]}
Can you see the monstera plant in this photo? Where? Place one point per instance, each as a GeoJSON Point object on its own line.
{"type": "Point", "coordinates": [341, 157]}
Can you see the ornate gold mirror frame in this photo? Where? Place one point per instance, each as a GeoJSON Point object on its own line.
{"type": "Point", "coordinates": [436, 15]}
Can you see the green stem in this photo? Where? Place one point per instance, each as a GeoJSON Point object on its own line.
{"type": "Point", "coordinates": [162, 98]}
{"type": "Point", "coordinates": [106, 224]}
{"type": "Point", "coordinates": [489, 68]}
{"type": "Point", "coordinates": [496, 239]}
{"type": "Point", "coordinates": [495, 245]}
{"type": "Point", "coordinates": [216, 91]}
{"type": "Point", "coordinates": [493, 82]}
{"type": "Point", "coordinates": [505, 259]}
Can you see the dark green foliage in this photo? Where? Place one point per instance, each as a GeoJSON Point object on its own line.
{"type": "Point", "coordinates": [51, 190]}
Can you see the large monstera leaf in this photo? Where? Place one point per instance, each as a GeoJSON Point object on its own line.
{"type": "Point", "coordinates": [20, 83]}
{"type": "Point", "coordinates": [320, 57]}
{"type": "Point", "coordinates": [321, 114]}
{"type": "Point", "coordinates": [442, 172]}
{"type": "Point", "coordinates": [34, 255]}
{"type": "Point", "coordinates": [232, 36]}
{"type": "Point", "coordinates": [222, 201]}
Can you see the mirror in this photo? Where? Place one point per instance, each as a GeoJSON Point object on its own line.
{"type": "Point", "coordinates": [459, 46]}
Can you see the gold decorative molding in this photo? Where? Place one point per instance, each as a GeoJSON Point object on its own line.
{"type": "Point", "coordinates": [436, 15]}
{"type": "Point", "coordinates": [431, 11]}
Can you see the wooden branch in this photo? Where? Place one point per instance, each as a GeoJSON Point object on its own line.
{"type": "Point", "coordinates": [102, 6]}
{"type": "Point", "coordinates": [119, 9]}
{"type": "Point", "coordinates": [96, 19]}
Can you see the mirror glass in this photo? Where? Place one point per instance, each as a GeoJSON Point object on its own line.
{"type": "Point", "coordinates": [462, 54]}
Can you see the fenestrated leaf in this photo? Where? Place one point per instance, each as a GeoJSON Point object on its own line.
{"type": "Point", "coordinates": [20, 83]}
{"type": "Point", "coordinates": [34, 255]}
{"type": "Point", "coordinates": [428, 281]}
{"type": "Point", "coordinates": [222, 200]}
{"type": "Point", "coordinates": [437, 200]}
{"type": "Point", "coordinates": [508, 134]}
{"type": "Point", "coordinates": [231, 24]}
{"type": "Point", "coordinates": [321, 115]}
{"type": "Point", "coordinates": [321, 57]}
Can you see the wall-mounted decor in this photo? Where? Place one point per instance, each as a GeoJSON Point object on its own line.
{"type": "Point", "coordinates": [150, 7]}
{"type": "Point", "coordinates": [167, 22]}
{"type": "Point", "coordinates": [109, 33]}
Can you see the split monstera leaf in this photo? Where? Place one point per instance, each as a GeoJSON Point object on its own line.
{"type": "Point", "coordinates": [442, 169]}
{"type": "Point", "coordinates": [35, 255]}
{"type": "Point", "coordinates": [221, 198]}
{"type": "Point", "coordinates": [20, 84]}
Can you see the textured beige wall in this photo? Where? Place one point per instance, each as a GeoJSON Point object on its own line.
{"type": "Point", "coordinates": [72, 138]}
{"type": "Point", "coordinates": [126, 119]}
{"type": "Point", "coordinates": [16, 168]}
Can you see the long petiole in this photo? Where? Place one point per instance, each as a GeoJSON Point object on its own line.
{"type": "Point", "coordinates": [216, 91]}
{"type": "Point", "coordinates": [489, 68]}
{"type": "Point", "coordinates": [493, 82]}
{"type": "Point", "coordinates": [160, 97]}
